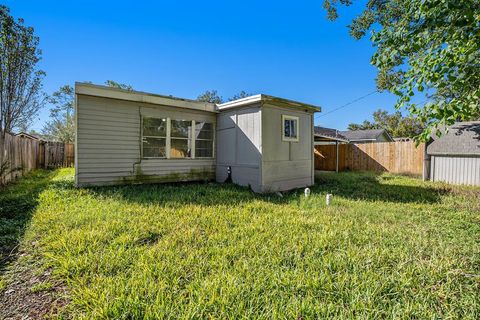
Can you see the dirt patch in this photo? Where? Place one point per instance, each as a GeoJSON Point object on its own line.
{"type": "Point", "coordinates": [30, 294]}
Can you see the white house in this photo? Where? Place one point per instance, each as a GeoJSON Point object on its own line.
{"type": "Point", "coordinates": [126, 136]}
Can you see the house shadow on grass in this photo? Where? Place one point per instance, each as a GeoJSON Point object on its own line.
{"type": "Point", "coordinates": [367, 186]}
{"type": "Point", "coordinates": [18, 201]}
{"type": "Point", "coordinates": [371, 186]}
{"type": "Point", "coordinates": [177, 194]}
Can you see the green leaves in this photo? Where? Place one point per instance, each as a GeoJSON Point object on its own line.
{"type": "Point", "coordinates": [429, 48]}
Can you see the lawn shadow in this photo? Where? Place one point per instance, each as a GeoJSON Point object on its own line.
{"type": "Point", "coordinates": [372, 186]}
{"type": "Point", "coordinates": [18, 201]}
{"type": "Point", "coordinates": [185, 193]}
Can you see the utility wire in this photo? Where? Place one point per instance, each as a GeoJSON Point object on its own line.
{"type": "Point", "coordinates": [346, 104]}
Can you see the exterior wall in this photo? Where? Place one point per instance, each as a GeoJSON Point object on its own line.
{"type": "Point", "coordinates": [286, 164]}
{"type": "Point", "coordinates": [108, 144]}
{"type": "Point", "coordinates": [456, 169]}
{"type": "Point", "coordinates": [239, 146]}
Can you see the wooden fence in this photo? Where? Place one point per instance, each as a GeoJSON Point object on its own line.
{"type": "Point", "coordinates": [22, 155]}
{"type": "Point", "coordinates": [397, 157]}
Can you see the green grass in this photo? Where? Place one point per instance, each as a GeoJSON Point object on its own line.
{"type": "Point", "coordinates": [388, 247]}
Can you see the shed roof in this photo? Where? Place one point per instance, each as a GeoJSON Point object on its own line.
{"type": "Point", "coordinates": [266, 98]}
{"type": "Point", "coordinates": [462, 138]}
{"type": "Point", "coordinates": [365, 135]}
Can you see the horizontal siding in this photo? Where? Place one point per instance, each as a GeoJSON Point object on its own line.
{"type": "Point", "coordinates": [285, 175]}
{"type": "Point", "coordinates": [108, 145]}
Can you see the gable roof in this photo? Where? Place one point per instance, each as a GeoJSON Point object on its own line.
{"type": "Point", "coordinates": [264, 98]}
{"type": "Point", "coordinates": [329, 134]}
{"type": "Point", "coordinates": [462, 138]}
{"type": "Point", "coordinates": [28, 135]}
{"type": "Point", "coordinates": [365, 135]}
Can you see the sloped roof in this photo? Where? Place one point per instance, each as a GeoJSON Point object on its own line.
{"type": "Point", "coordinates": [462, 138]}
{"type": "Point", "coordinates": [365, 135]}
{"type": "Point", "coordinates": [328, 133]}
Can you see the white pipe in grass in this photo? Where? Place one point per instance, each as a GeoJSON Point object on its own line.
{"type": "Point", "coordinates": [329, 199]}
{"type": "Point", "coordinates": [307, 192]}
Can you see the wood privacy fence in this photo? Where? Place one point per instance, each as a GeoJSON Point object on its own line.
{"type": "Point", "coordinates": [396, 157]}
{"type": "Point", "coordinates": [22, 155]}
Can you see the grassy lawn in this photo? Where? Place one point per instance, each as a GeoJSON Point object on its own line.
{"type": "Point", "coordinates": [387, 247]}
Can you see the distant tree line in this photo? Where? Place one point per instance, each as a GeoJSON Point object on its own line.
{"type": "Point", "coordinates": [395, 123]}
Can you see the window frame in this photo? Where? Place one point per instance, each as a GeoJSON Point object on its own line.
{"type": "Point", "coordinates": [155, 137]}
{"type": "Point", "coordinates": [192, 139]}
{"type": "Point", "coordinates": [194, 146]}
{"type": "Point", "coordinates": [168, 139]}
{"type": "Point", "coordinates": [294, 118]}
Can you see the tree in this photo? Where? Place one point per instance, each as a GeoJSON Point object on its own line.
{"type": "Point", "coordinates": [20, 80]}
{"type": "Point", "coordinates": [61, 126]}
{"type": "Point", "coordinates": [210, 96]}
{"type": "Point", "coordinates": [242, 94]}
{"type": "Point", "coordinates": [429, 48]}
{"type": "Point", "coordinates": [114, 84]}
{"type": "Point", "coordinates": [213, 96]}
{"type": "Point", "coordinates": [397, 125]}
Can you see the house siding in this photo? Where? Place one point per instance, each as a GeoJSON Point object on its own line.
{"type": "Point", "coordinates": [286, 164]}
{"type": "Point", "coordinates": [109, 144]}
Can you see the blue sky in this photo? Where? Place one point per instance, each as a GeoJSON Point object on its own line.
{"type": "Point", "coordinates": [182, 48]}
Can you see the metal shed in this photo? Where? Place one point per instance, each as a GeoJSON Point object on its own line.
{"type": "Point", "coordinates": [455, 156]}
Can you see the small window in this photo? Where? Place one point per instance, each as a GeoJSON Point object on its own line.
{"type": "Point", "coordinates": [181, 139]}
{"type": "Point", "coordinates": [203, 140]}
{"type": "Point", "coordinates": [154, 138]}
{"type": "Point", "coordinates": [290, 128]}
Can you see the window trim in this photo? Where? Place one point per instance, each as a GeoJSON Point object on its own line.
{"type": "Point", "coordinates": [192, 139]}
{"type": "Point", "coordinates": [212, 140]}
{"type": "Point", "coordinates": [288, 117]}
{"type": "Point", "coordinates": [154, 137]}
{"type": "Point", "coordinates": [168, 140]}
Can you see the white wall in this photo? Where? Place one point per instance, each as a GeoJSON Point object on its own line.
{"type": "Point", "coordinates": [286, 164]}
{"type": "Point", "coordinates": [239, 146]}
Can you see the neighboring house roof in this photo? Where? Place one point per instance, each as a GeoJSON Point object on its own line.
{"type": "Point", "coordinates": [264, 98]}
{"type": "Point", "coordinates": [328, 134]}
{"type": "Point", "coordinates": [462, 138]}
{"type": "Point", "coordinates": [366, 135]}
{"type": "Point", "coordinates": [27, 135]}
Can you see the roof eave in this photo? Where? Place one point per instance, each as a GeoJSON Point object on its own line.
{"type": "Point", "coordinates": [143, 97]}
{"type": "Point", "coordinates": [263, 98]}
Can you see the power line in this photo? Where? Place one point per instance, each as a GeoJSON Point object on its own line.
{"type": "Point", "coordinates": [346, 104]}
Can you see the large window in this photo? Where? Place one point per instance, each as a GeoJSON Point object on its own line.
{"type": "Point", "coordinates": [169, 138]}
{"type": "Point", "coordinates": [289, 128]}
